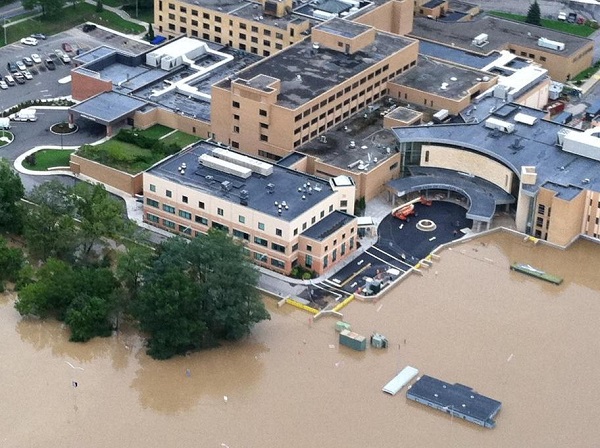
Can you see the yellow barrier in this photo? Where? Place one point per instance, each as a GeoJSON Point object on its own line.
{"type": "Point", "coordinates": [341, 305]}
{"type": "Point", "coordinates": [301, 306]}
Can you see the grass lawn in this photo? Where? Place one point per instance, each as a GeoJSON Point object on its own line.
{"type": "Point", "coordinates": [155, 132]}
{"type": "Point", "coordinates": [557, 25]}
{"type": "Point", "coordinates": [120, 155]}
{"type": "Point", "coordinates": [145, 15]}
{"type": "Point", "coordinates": [49, 158]}
{"type": "Point", "coordinates": [70, 17]}
{"type": "Point", "coordinates": [181, 139]}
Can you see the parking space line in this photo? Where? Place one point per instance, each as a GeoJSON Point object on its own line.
{"type": "Point", "coordinates": [389, 255]}
{"type": "Point", "coordinates": [382, 260]}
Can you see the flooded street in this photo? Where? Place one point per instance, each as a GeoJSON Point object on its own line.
{"type": "Point", "coordinates": [469, 319]}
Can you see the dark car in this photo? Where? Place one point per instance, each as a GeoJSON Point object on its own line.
{"type": "Point", "coordinates": [88, 27]}
{"type": "Point", "coordinates": [50, 64]}
{"type": "Point", "coordinates": [19, 78]}
{"type": "Point", "coordinates": [12, 67]}
{"type": "Point", "coordinates": [38, 36]}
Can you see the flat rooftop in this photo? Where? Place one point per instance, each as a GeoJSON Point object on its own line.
{"type": "Point", "coordinates": [456, 399]}
{"type": "Point", "coordinates": [372, 143]}
{"type": "Point", "coordinates": [457, 55]}
{"type": "Point", "coordinates": [534, 145]}
{"type": "Point", "coordinates": [262, 191]}
{"type": "Point", "coordinates": [501, 33]}
{"type": "Point", "coordinates": [441, 78]}
{"type": "Point", "coordinates": [107, 107]}
{"type": "Point", "coordinates": [126, 44]}
{"type": "Point", "coordinates": [306, 74]}
{"type": "Point", "coordinates": [326, 226]}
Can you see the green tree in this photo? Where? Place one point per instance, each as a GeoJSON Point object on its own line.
{"type": "Point", "coordinates": [48, 227]}
{"type": "Point", "coordinates": [196, 293]}
{"type": "Point", "coordinates": [534, 14]}
{"type": "Point", "coordinates": [88, 317]}
{"type": "Point", "coordinates": [150, 34]}
{"type": "Point", "coordinates": [99, 6]}
{"type": "Point", "coordinates": [12, 261]}
{"type": "Point", "coordinates": [50, 8]}
{"type": "Point", "coordinates": [11, 192]}
{"type": "Point", "coordinates": [130, 268]}
{"type": "Point", "coordinates": [100, 215]}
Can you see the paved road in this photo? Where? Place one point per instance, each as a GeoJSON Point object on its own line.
{"type": "Point", "coordinates": [15, 9]}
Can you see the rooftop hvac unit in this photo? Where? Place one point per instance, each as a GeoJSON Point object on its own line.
{"type": "Point", "coordinates": [504, 126]}
{"type": "Point", "coordinates": [256, 166]}
{"type": "Point", "coordinates": [224, 166]}
{"type": "Point", "coordinates": [552, 44]}
{"type": "Point", "coordinates": [480, 40]}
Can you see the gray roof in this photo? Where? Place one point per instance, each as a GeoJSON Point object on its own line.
{"type": "Point", "coordinates": [500, 33]}
{"type": "Point", "coordinates": [305, 74]}
{"type": "Point", "coordinates": [283, 182]}
{"type": "Point", "coordinates": [325, 227]}
{"type": "Point", "coordinates": [534, 145]}
{"type": "Point", "coordinates": [429, 74]}
{"type": "Point", "coordinates": [483, 196]}
{"type": "Point", "coordinates": [108, 107]}
{"type": "Point", "coordinates": [456, 399]}
{"type": "Point", "coordinates": [456, 55]}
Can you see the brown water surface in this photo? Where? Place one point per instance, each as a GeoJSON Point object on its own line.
{"type": "Point", "coordinates": [469, 319]}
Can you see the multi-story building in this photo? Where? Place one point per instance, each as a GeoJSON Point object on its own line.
{"type": "Point", "coordinates": [261, 28]}
{"type": "Point", "coordinates": [284, 101]}
{"type": "Point", "coordinates": [284, 217]}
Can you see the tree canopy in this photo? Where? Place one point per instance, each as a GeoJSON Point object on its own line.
{"type": "Point", "coordinates": [534, 14]}
{"type": "Point", "coordinates": [11, 192]}
{"type": "Point", "coordinates": [196, 293]}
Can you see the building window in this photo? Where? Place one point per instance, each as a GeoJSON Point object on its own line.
{"type": "Point", "coordinates": [235, 104]}
{"type": "Point", "coordinates": [201, 205]}
{"type": "Point", "coordinates": [184, 199]}
{"type": "Point", "coordinates": [541, 209]}
{"type": "Point", "coordinates": [264, 126]}
{"type": "Point", "coordinates": [278, 232]}
{"type": "Point", "coordinates": [296, 231]}
{"type": "Point", "coordinates": [277, 263]}
{"type": "Point", "coordinates": [152, 218]}
{"type": "Point", "coordinates": [278, 247]}
{"type": "Point", "coordinates": [242, 219]}
{"type": "Point", "coordinates": [343, 203]}
{"type": "Point", "coordinates": [334, 255]}
{"type": "Point", "coordinates": [236, 129]}
{"type": "Point", "coordinates": [330, 208]}
{"type": "Point", "coordinates": [308, 261]}
{"type": "Point", "coordinates": [264, 138]}
{"type": "Point", "coordinates": [262, 112]}
{"type": "Point", "coordinates": [260, 257]}
{"type": "Point", "coordinates": [152, 202]}
{"type": "Point", "coordinates": [184, 214]}
{"type": "Point", "coordinates": [241, 235]}
{"type": "Point", "coordinates": [539, 221]}
{"type": "Point", "coordinates": [261, 241]}
{"type": "Point", "coordinates": [185, 229]}
{"type": "Point", "coordinates": [308, 248]}
{"type": "Point", "coordinates": [201, 220]}
{"type": "Point", "coordinates": [168, 208]}
{"type": "Point", "coordinates": [169, 194]}
{"type": "Point", "coordinates": [295, 247]}
{"type": "Point", "coordinates": [261, 226]}
{"type": "Point", "coordinates": [153, 188]}
{"type": "Point", "coordinates": [220, 211]}
{"type": "Point", "coordinates": [343, 251]}
{"type": "Point", "coordinates": [325, 261]}
{"type": "Point", "coordinates": [169, 224]}
{"type": "Point", "coordinates": [220, 227]}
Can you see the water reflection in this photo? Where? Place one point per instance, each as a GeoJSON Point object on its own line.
{"type": "Point", "coordinates": [202, 378]}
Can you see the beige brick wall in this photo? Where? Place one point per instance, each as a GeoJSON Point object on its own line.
{"type": "Point", "coordinates": [129, 183]}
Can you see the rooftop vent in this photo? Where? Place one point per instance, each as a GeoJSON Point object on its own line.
{"type": "Point", "coordinates": [226, 185]}
{"type": "Point", "coordinates": [270, 188]}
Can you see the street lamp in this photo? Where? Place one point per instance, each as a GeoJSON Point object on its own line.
{"type": "Point", "coordinates": [5, 41]}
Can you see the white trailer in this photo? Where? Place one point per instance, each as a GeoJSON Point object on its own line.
{"type": "Point", "coordinates": [4, 123]}
{"type": "Point", "coordinates": [24, 115]}
{"type": "Point", "coordinates": [400, 380]}
{"type": "Point", "coordinates": [504, 126]}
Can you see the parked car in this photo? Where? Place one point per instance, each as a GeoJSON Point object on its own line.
{"type": "Point", "coordinates": [67, 47]}
{"type": "Point", "coordinates": [20, 65]}
{"type": "Point", "coordinates": [12, 67]}
{"type": "Point", "coordinates": [562, 16]}
{"type": "Point", "coordinates": [65, 58]}
{"type": "Point", "coordinates": [19, 78]}
{"type": "Point", "coordinates": [27, 74]}
{"type": "Point", "coordinates": [88, 27]}
{"type": "Point", "coordinates": [36, 58]}
{"type": "Point", "coordinates": [50, 64]}
{"type": "Point", "coordinates": [59, 53]}
{"type": "Point", "coordinates": [29, 41]}
{"type": "Point", "coordinates": [572, 18]}
{"type": "Point", "coordinates": [9, 80]}
{"type": "Point", "coordinates": [38, 36]}
{"type": "Point", "coordinates": [3, 84]}
{"type": "Point", "coordinates": [28, 61]}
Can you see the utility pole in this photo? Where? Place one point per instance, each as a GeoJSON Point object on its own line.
{"type": "Point", "coordinates": [5, 41]}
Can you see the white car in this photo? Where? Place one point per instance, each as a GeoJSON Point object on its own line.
{"type": "Point", "coordinates": [29, 41]}
{"type": "Point", "coordinates": [65, 58]}
{"type": "Point", "coordinates": [3, 84]}
{"type": "Point", "coordinates": [21, 66]}
{"type": "Point", "coordinates": [59, 53]}
{"type": "Point", "coordinates": [36, 58]}
{"type": "Point", "coordinates": [27, 74]}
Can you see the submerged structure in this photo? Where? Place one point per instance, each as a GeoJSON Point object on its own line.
{"type": "Point", "coordinates": [455, 399]}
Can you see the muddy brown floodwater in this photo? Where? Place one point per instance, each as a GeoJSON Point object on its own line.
{"type": "Point", "coordinates": [469, 319]}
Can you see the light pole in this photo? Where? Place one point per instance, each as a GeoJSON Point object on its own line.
{"type": "Point", "coordinates": [5, 41]}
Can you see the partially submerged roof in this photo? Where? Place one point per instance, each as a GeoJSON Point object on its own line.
{"type": "Point", "coordinates": [107, 107]}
